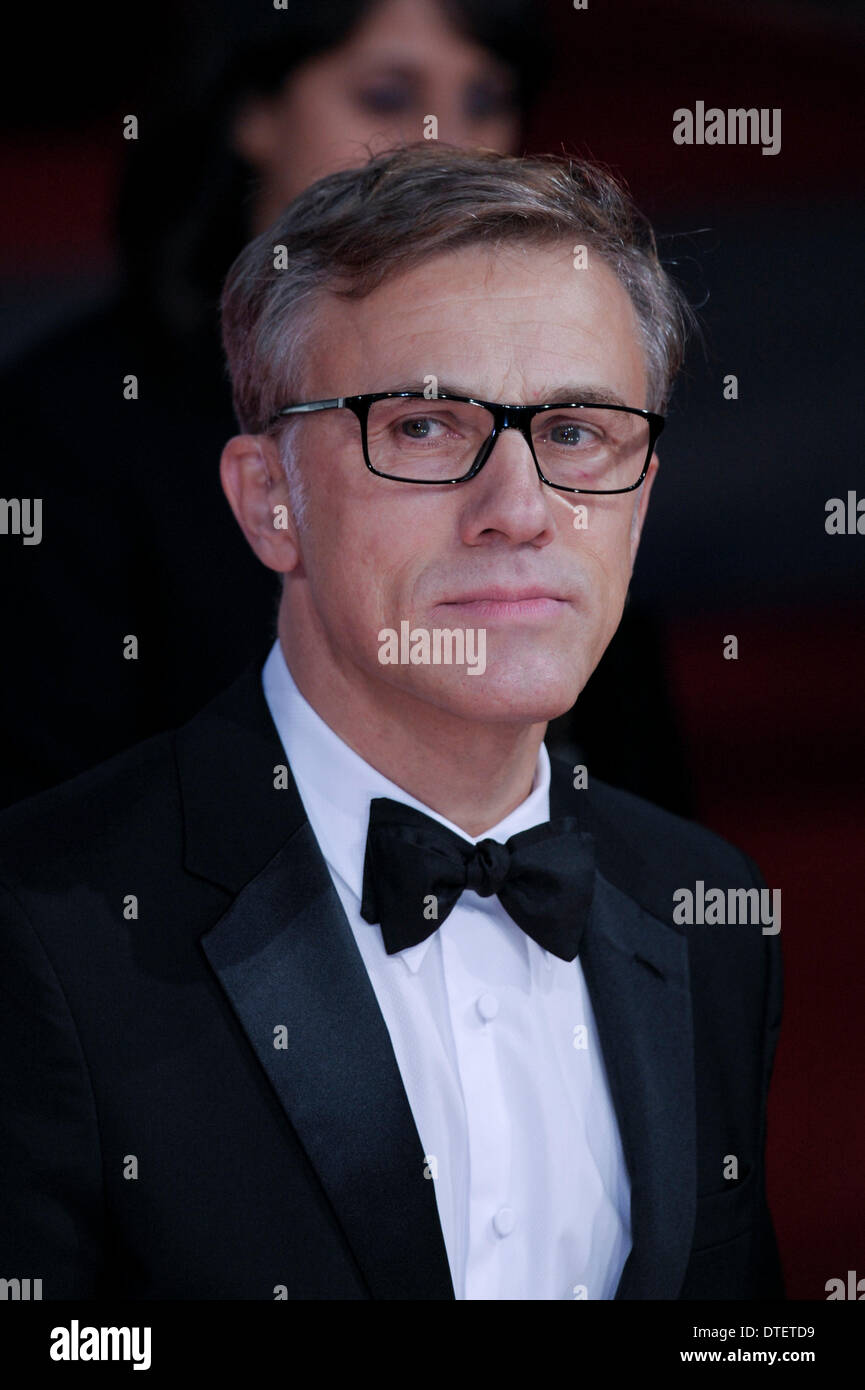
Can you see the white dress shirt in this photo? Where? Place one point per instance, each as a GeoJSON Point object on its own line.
{"type": "Point", "coordinates": [496, 1043]}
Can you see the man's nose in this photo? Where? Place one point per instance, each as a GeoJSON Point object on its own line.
{"type": "Point", "coordinates": [512, 443]}
{"type": "Point", "coordinates": [507, 498]}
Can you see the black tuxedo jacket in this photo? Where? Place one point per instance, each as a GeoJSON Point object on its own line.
{"type": "Point", "coordinates": [165, 915]}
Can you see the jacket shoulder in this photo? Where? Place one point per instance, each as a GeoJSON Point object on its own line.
{"type": "Point", "coordinates": [654, 831]}
{"type": "Point", "coordinates": [658, 859]}
{"type": "Point", "coordinates": [125, 801]}
{"type": "Point", "coordinates": [650, 852]}
{"type": "Point", "coordinates": [132, 809]}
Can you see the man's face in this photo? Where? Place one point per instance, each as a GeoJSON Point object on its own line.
{"type": "Point", "coordinates": [519, 326]}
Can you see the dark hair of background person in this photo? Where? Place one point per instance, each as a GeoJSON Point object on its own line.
{"type": "Point", "coordinates": [184, 204]}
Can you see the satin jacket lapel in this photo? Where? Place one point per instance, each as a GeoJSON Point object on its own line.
{"type": "Point", "coordinates": [286, 958]}
{"type": "Point", "coordinates": [636, 971]}
{"type": "Point", "coordinates": [637, 977]}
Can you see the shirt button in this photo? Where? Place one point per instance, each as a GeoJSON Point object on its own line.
{"type": "Point", "coordinates": [487, 1006]}
{"type": "Point", "coordinates": [504, 1221]}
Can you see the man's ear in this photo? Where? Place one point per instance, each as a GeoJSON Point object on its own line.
{"type": "Point", "coordinates": [254, 482]}
{"type": "Point", "coordinates": [641, 506]}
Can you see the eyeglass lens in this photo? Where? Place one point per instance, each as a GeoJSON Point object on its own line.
{"type": "Point", "coordinates": [437, 441]}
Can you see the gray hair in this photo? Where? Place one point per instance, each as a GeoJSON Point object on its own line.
{"type": "Point", "coordinates": [348, 232]}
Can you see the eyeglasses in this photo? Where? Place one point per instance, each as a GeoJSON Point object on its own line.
{"type": "Point", "coordinates": [576, 447]}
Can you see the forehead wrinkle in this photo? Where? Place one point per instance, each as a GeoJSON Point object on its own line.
{"type": "Point", "coordinates": [480, 295]}
{"type": "Point", "coordinates": [530, 334]}
{"type": "Point", "coordinates": [529, 317]}
{"type": "Point", "coordinates": [436, 293]}
{"type": "Point", "coordinates": [449, 301]}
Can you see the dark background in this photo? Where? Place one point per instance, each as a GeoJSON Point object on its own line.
{"type": "Point", "coordinates": [770, 248]}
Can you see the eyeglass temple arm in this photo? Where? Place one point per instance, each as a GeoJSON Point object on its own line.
{"type": "Point", "coordinates": [337, 402]}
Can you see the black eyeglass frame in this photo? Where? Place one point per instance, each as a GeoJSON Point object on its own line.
{"type": "Point", "coordinates": [518, 417]}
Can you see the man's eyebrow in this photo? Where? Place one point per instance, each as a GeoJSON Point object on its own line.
{"type": "Point", "coordinates": [591, 395]}
{"type": "Point", "coordinates": [562, 395]}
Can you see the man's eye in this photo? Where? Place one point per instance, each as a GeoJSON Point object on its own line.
{"type": "Point", "coordinates": [570, 435]}
{"type": "Point", "coordinates": [420, 427]}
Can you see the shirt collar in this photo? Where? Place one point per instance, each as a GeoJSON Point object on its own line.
{"type": "Point", "coordinates": [336, 786]}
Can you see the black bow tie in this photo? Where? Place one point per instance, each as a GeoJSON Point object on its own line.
{"type": "Point", "coordinates": [415, 870]}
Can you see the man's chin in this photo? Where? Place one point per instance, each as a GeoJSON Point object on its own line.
{"type": "Point", "coordinates": [494, 697]}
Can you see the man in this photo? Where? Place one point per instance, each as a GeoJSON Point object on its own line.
{"type": "Point", "coordinates": [343, 991]}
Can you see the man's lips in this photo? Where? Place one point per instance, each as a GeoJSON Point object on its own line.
{"type": "Point", "coordinates": [500, 602]}
{"type": "Point", "coordinates": [498, 593]}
